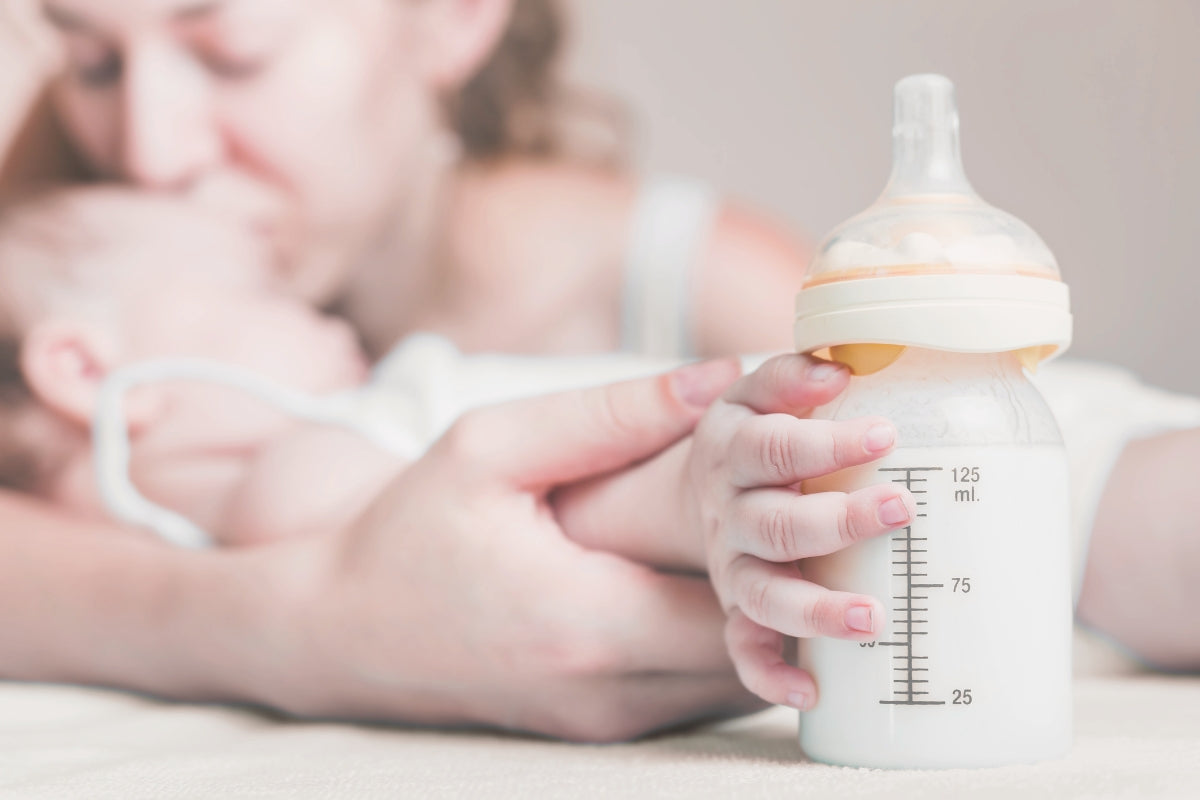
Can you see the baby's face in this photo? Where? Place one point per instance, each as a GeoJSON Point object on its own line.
{"type": "Point", "coordinates": [187, 284]}
{"type": "Point", "coordinates": [171, 282]}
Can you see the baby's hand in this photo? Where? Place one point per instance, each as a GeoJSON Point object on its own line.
{"type": "Point", "coordinates": [749, 454]}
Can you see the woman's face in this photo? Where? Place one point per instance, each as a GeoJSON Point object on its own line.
{"type": "Point", "coordinates": [303, 117]}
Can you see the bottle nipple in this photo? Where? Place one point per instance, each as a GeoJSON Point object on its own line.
{"type": "Point", "coordinates": [930, 264]}
{"type": "Point", "coordinates": [926, 157]}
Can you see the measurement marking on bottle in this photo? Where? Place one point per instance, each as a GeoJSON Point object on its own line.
{"type": "Point", "coordinates": [905, 692]}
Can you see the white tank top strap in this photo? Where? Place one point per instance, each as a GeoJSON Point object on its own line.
{"type": "Point", "coordinates": [671, 223]}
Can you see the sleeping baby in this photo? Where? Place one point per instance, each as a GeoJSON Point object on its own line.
{"type": "Point", "coordinates": [193, 367]}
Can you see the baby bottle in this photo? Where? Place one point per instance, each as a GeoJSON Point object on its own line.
{"type": "Point", "coordinates": [940, 304]}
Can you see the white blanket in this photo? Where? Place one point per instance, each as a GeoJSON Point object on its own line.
{"type": "Point", "coordinates": [1137, 736]}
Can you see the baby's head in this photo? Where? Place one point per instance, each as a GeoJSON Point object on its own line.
{"type": "Point", "coordinates": [93, 280]}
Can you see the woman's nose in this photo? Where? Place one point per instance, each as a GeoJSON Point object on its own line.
{"type": "Point", "coordinates": [170, 135]}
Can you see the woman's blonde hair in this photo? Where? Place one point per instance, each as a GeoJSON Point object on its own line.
{"type": "Point", "coordinates": [516, 103]}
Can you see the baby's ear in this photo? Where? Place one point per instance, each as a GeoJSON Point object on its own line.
{"type": "Point", "coordinates": [65, 363]}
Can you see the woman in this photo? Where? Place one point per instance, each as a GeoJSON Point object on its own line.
{"type": "Point", "coordinates": [401, 157]}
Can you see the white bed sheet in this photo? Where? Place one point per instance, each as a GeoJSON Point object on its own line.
{"type": "Point", "coordinates": [1137, 736]}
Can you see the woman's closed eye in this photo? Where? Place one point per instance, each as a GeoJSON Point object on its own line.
{"type": "Point", "coordinates": [233, 66]}
{"type": "Point", "coordinates": [94, 64]}
{"type": "Point", "coordinates": [97, 65]}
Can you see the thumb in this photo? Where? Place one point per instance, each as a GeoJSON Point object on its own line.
{"type": "Point", "coordinates": [561, 438]}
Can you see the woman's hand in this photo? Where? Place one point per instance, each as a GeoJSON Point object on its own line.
{"type": "Point", "coordinates": [456, 599]}
{"type": "Point", "coordinates": [30, 54]}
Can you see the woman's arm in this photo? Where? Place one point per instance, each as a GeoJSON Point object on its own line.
{"type": "Point", "coordinates": [84, 602]}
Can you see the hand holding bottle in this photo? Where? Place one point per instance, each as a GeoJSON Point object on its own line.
{"type": "Point", "coordinates": [749, 454]}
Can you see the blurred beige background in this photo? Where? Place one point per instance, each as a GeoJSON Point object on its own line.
{"type": "Point", "coordinates": [1082, 118]}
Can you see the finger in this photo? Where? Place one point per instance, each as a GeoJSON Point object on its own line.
{"type": "Point", "coordinates": [757, 654]}
{"type": "Point", "coordinates": [775, 596]}
{"type": "Point", "coordinates": [783, 525]}
{"type": "Point", "coordinates": [780, 450]}
{"type": "Point", "coordinates": [635, 513]}
{"type": "Point", "coordinates": [685, 700]}
{"type": "Point", "coordinates": [790, 384]}
{"type": "Point", "coordinates": [561, 438]}
{"type": "Point", "coordinates": [627, 707]}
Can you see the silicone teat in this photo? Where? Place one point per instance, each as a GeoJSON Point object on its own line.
{"type": "Point", "coordinates": [929, 263]}
{"type": "Point", "coordinates": [929, 221]}
{"type": "Point", "coordinates": [926, 157]}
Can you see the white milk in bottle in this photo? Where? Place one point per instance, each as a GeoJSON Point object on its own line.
{"type": "Point", "coordinates": [973, 665]}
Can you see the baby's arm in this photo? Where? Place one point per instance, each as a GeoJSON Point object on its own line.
{"type": "Point", "coordinates": [1142, 584]}
{"type": "Point", "coordinates": [638, 513]}
{"type": "Point", "coordinates": [315, 478]}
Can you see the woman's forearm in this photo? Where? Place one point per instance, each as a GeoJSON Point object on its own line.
{"type": "Point", "coordinates": [82, 602]}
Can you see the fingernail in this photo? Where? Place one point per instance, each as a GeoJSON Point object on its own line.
{"type": "Point", "coordinates": [700, 384]}
{"type": "Point", "coordinates": [799, 700]}
{"type": "Point", "coordinates": [893, 512]}
{"type": "Point", "coordinates": [879, 437]}
{"type": "Point", "coordinates": [859, 618]}
{"type": "Point", "coordinates": [824, 371]}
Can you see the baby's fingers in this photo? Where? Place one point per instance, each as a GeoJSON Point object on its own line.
{"type": "Point", "coordinates": [776, 597]}
{"type": "Point", "coordinates": [757, 654]}
{"type": "Point", "coordinates": [783, 525]}
{"type": "Point", "coordinates": [779, 449]}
